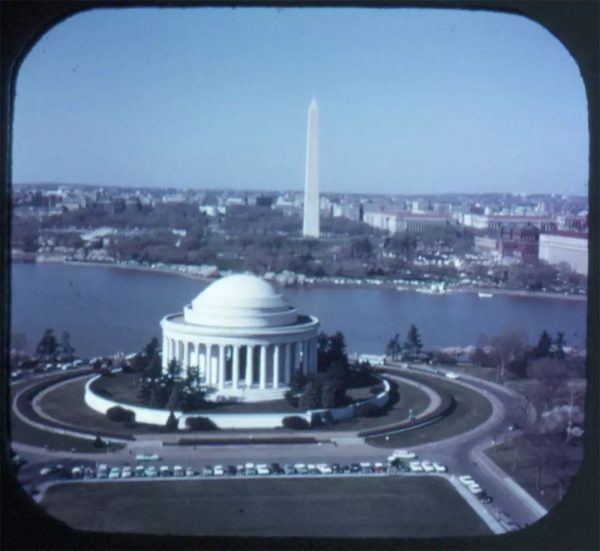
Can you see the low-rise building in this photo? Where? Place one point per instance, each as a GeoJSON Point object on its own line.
{"type": "Point", "coordinates": [568, 247]}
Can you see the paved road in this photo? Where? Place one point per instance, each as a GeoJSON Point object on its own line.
{"type": "Point", "coordinates": [462, 454]}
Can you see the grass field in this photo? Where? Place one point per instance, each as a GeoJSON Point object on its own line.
{"type": "Point", "coordinates": [327, 507]}
{"type": "Point", "coordinates": [471, 410]}
{"type": "Point", "coordinates": [517, 460]}
{"type": "Point", "coordinates": [79, 414]}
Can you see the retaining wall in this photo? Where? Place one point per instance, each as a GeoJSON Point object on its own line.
{"type": "Point", "coordinates": [152, 416]}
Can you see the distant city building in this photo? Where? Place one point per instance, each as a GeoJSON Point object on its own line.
{"type": "Point", "coordinates": [568, 247]}
{"type": "Point", "coordinates": [394, 221]}
{"type": "Point", "coordinates": [310, 227]}
{"type": "Point", "coordinates": [241, 339]}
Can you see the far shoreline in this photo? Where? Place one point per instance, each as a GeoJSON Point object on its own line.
{"type": "Point", "coordinates": [322, 284]}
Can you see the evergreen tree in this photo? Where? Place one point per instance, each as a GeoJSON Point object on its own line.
{"type": "Point", "coordinates": [559, 346]}
{"type": "Point", "coordinates": [413, 345]}
{"type": "Point", "coordinates": [311, 397]}
{"type": "Point", "coordinates": [151, 348]}
{"type": "Point", "coordinates": [543, 348]}
{"type": "Point", "coordinates": [173, 368]}
{"type": "Point", "coordinates": [65, 346]}
{"type": "Point", "coordinates": [171, 425]}
{"type": "Point", "coordinates": [298, 382]}
{"type": "Point", "coordinates": [393, 347]}
{"type": "Point", "coordinates": [48, 345]}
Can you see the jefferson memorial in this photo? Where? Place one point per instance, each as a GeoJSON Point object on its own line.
{"type": "Point", "coordinates": [241, 340]}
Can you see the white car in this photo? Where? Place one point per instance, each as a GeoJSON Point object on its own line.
{"type": "Point", "coordinates": [324, 468]}
{"type": "Point", "coordinates": [190, 472]}
{"type": "Point", "coordinates": [439, 468]}
{"type": "Point", "coordinates": [263, 470]}
{"type": "Point", "coordinates": [146, 457]}
{"type": "Point", "coordinates": [415, 467]}
{"type": "Point", "coordinates": [115, 472]}
{"type": "Point", "coordinates": [139, 471]}
{"type": "Point", "coordinates": [178, 471]}
{"type": "Point", "coordinates": [404, 454]}
{"type": "Point", "coordinates": [218, 470]}
{"type": "Point", "coordinates": [427, 466]}
{"type": "Point", "coordinates": [151, 472]}
{"type": "Point", "coordinates": [466, 479]}
{"type": "Point", "coordinates": [475, 489]}
{"type": "Point", "coordinates": [126, 472]}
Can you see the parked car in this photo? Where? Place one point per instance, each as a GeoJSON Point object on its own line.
{"type": "Point", "coordinates": [126, 472]}
{"type": "Point", "coordinates": [147, 457]}
{"type": "Point", "coordinates": [218, 470]}
{"type": "Point", "coordinates": [139, 471]}
{"type": "Point", "coordinates": [76, 472]}
{"type": "Point", "coordinates": [289, 469]}
{"type": "Point", "coordinates": [263, 470]}
{"type": "Point", "coordinates": [355, 468]}
{"type": "Point", "coordinates": [324, 468]}
{"type": "Point", "coordinates": [239, 469]}
{"type": "Point", "coordinates": [415, 467]}
{"type": "Point", "coordinates": [427, 466]}
{"type": "Point", "coordinates": [115, 472]}
{"type": "Point", "coordinates": [439, 468]}
{"type": "Point", "coordinates": [190, 472]}
{"type": "Point", "coordinates": [404, 454]}
{"type": "Point", "coordinates": [178, 470]}
{"type": "Point", "coordinates": [379, 467]}
{"type": "Point", "coordinates": [485, 498]}
{"type": "Point", "coordinates": [366, 467]}
{"type": "Point", "coordinates": [335, 467]}
{"type": "Point", "coordinates": [301, 468]}
{"type": "Point", "coordinates": [151, 472]}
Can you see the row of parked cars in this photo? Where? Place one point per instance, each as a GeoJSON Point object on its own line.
{"type": "Point", "coordinates": [475, 489]}
{"type": "Point", "coordinates": [399, 457]}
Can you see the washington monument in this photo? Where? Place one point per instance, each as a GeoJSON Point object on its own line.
{"type": "Point", "coordinates": [310, 226]}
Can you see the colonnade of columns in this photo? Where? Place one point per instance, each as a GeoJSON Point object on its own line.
{"type": "Point", "coordinates": [241, 365]}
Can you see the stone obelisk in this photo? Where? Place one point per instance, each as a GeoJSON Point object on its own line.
{"type": "Point", "coordinates": [310, 227]}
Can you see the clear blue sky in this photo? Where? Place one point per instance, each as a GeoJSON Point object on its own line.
{"type": "Point", "coordinates": [410, 101]}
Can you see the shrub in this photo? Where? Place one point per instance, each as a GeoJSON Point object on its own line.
{"type": "Point", "coordinates": [291, 399]}
{"type": "Point", "coordinates": [316, 421]}
{"type": "Point", "coordinates": [327, 418]}
{"type": "Point", "coordinates": [200, 423]}
{"type": "Point", "coordinates": [368, 410]}
{"type": "Point", "coordinates": [171, 425]}
{"type": "Point", "coordinates": [295, 423]}
{"type": "Point", "coordinates": [119, 414]}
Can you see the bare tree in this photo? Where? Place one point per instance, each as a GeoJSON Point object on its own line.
{"type": "Point", "coordinates": [509, 345]}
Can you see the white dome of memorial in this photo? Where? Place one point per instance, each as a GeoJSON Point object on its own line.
{"type": "Point", "coordinates": [241, 339]}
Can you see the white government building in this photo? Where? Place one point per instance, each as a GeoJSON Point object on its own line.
{"type": "Point", "coordinates": [242, 339]}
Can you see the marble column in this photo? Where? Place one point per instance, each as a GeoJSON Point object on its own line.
{"type": "Point", "coordinates": [249, 364]}
{"type": "Point", "coordinates": [287, 352]}
{"type": "Point", "coordinates": [263, 366]}
{"type": "Point", "coordinates": [276, 366]}
{"type": "Point", "coordinates": [221, 366]}
{"type": "Point", "coordinates": [235, 377]}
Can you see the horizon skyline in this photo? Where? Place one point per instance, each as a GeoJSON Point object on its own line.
{"type": "Point", "coordinates": [98, 101]}
{"type": "Point", "coordinates": [298, 191]}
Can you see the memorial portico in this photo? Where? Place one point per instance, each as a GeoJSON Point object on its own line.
{"type": "Point", "coordinates": [241, 339]}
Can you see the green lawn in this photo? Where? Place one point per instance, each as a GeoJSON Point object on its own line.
{"type": "Point", "coordinates": [471, 410]}
{"type": "Point", "coordinates": [518, 461]}
{"type": "Point", "coordinates": [327, 507]}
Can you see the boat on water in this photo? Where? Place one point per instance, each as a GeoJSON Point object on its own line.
{"type": "Point", "coordinates": [434, 289]}
{"type": "Point", "coordinates": [485, 295]}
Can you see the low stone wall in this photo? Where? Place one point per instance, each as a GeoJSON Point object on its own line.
{"type": "Point", "coordinates": [348, 412]}
{"type": "Point", "coordinates": [159, 417]}
{"type": "Point", "coordinates": [153, 416]}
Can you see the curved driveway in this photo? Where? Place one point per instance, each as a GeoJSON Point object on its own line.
{"type": "Point", "coordinates": [462, 453]}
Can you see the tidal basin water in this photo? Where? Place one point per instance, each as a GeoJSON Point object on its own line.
{"type": "Point", "coordinates": [108, 310]}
